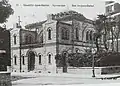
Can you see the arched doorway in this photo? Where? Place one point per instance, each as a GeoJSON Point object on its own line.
{"type": "Point", "coordinates": [31, 61]}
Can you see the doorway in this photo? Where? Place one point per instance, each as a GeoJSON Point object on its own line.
{"type": "Point", "coordinates": [31, 61]}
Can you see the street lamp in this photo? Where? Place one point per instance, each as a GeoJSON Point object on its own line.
{"type": "Point", "coordinates": [93, 59]}
{"type": "Point", "coordinates": [64, 61]}
{"type": "Point", "coordinates": [93, 69]}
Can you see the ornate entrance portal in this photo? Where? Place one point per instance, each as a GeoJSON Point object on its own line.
{"type": "Point", "coordinates": [31, 61]}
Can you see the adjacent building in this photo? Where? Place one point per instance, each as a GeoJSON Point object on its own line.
{"type": "Point", "coordinates": [112, 11]}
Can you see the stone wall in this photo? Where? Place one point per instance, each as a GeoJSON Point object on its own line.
{"type": "Point", "coordinates": [51, 68]}
{"type": "Point", "coordinates": [88, 70]}
{"type": "Point", "coordinates": [26, 33]}
{"type": "Point", "coordinates": [16, 52]}
{"type": "Point", "coordinates": [81, 70]}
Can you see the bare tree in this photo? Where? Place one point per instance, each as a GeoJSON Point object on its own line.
{"type": "Point", "coordinates": [116, 32]}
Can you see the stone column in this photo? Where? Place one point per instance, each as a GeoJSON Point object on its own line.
{"type": "Point", "coordinates": [36, 63]}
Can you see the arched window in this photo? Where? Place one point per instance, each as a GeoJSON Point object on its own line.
{"type": "Point", "coordinates": [39, 59]}
{"type": "Point", "coordinates": [62, 33]}
{"type": "Point", "coordinates": [94, 38]}
{"type": "Point", "coordinates": [15, 39]}
{"type": "Point", "coordinates": [91, 35]}
{"type": "Point", "coordinates": [65, 33]}
{"type": "Point", "coordinates": [49, 58]}
{"type": "Point", "coordinates": [28, 39]}
{"type": "Point", "coordinates": [23, 60]}
{"type": "Point", "coordinates": [15, 60]}
{"type": "Point", "coordinates": [87, 36]}
{"type": "Point", "coordinates": [41, 39]}
{"type": "Point", "coordinates": [77, 34]}
{"type": "Point", "coordinates": [49, 34]}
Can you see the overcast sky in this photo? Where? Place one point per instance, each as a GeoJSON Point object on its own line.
{"type": "Point", "coordinates": [30, 14]}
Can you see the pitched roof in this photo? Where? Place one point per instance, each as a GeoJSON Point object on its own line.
{"type": "Point", "coordinates": [62, 16]}
{"type": "Point", "coordinates": [70, 15]}
{"type": "Point", "coordinates": [34, 25]}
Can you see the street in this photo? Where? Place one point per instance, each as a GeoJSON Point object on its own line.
{"type": "Point", "coordinates": [61, 79]}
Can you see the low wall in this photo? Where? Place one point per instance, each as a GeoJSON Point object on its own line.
{"type": "Point", "coordinates": [110, 70]}
{"type": "Point", "coordinates": [81, 70]}
{"type": "Point", "coordinates": [5, 79]}
{"type": "Point", "coordinates": [88, 70]}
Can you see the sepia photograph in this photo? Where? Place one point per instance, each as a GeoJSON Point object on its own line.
{"type": "Point", "coordinates": [59, 42]}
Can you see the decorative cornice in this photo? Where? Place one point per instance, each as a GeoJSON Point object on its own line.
{"type": "Point", "coordinates": [86, 44]}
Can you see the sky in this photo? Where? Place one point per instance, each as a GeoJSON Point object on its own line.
{"type": "Point", "coordinates": [31, 14]}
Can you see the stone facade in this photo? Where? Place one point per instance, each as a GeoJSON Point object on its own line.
{"type": "Point", "coordinates": [37, 45]}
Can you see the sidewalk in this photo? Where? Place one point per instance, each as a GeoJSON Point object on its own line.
{"type": "Point", "coordinates": [30, 74]}
{"type": "Point", "coordinates": [65, 79]}
{"type": "Point", "coordinates": [105, 84]}
{"type": "Point", "coordinates": [108, 76]}
{"type": "Point", "coordinates": [62, 75]}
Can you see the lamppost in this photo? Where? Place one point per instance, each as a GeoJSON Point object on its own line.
{"type": "Point", "coordinates": [64, 54]}
{"type": "Point", "coordinates": [93, 59]}
{"type": "Point", "coordinates": [93, 69]}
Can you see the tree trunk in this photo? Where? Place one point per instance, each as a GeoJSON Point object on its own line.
{"type": "Point", "coordinates": [105, 45]}
{"type": "Point", "coordinates": [112, 42]}
{"type": "Point", "coordinates": [117, 44]}
{"type": "Point", "coordinates": [117, 47]}
{"type": "Point", "coordinates": [105, 38]}
{"type": "Point", "coordinates": [97, 45]}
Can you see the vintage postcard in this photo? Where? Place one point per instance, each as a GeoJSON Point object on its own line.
{"type": "Point", "coordinates": [59, 42]}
